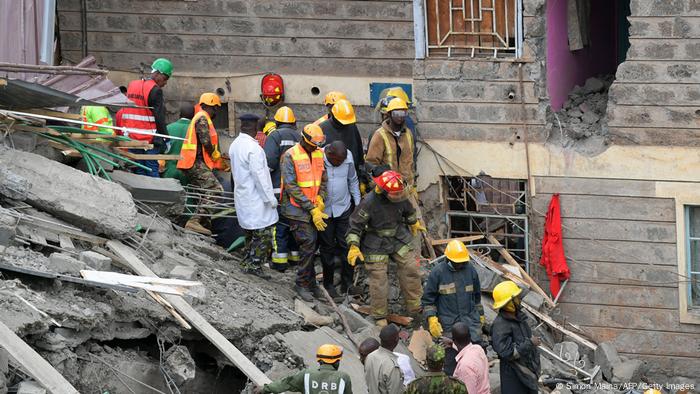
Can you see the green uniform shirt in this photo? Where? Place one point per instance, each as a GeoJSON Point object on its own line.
{"type": "Point", "coordinates": [176, 129]}
{"type": "Point", "coordinates": [325, 380]}
{"type": "Point", "coordinates": [436, 383]}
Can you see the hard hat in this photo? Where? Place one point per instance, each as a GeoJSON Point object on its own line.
{"type": "Point", "coordinates": [383, 103]}
{"type": "Point", "coordinates": [285, 115]}
{"type": "Point", "coordinates": [344, 112]}
{"type": "Point", "coordinates": [504, 292]}
{"type": "Point", "coordinates": [390, 181]}
{"type": "Point", "coordinates": [210, 99]}
{"type": "Point", "coordinates": [457, 252]}
{"type": "Point", "coordinates": [333, 96]}
{"type": "Point", "coordinates": [396, 103]}
{"type": "Point", "coordinates": [163, 66]}
{"type": "Point", "coordinates": [269, 128]}
{"type": "Point", "coordinates": [398, 91]}
{"type": "Point", "coordinates": [313, 135]}
{"type": "Point", "coordinates": [271, 89]}
{"type": "Point", "coordinates": [329, 354]}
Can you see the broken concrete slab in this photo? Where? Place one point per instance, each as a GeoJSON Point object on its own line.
{"type": "Point", "coordinates": [64, 263]}
{"type": "Point", "coordinates": [304, 344]}
{"type": "Point", "coordinates": [30, 387]}
{"type": "Point", "coordinates": [183, 272]}
{"type": "Point", "coordinates": [533, 299]}
{"type": "Point", "coordinates": [606, 356]}
{"type": "Point", "coordinates": [311, 316]}
{"type": "Point", "coordinates": [356, 321]}
{"type": "Point", "coordinates": [95, 260]}
{"type": "Point", "coordinates": [13, 186]}
{"type": "Point", "coordinates": [593, 85]}
{"type": "Point", "coordinates": [628, 371]}
{"type": "Point", "coordinates": [487, 278]}
{"type": "Point", "coordinates": [166, 195]}
{"type": "Point", "coordinates": [179, 364]}
{"type": "Point", "coordinates": [568, 351]}
{"type": "Point", "coordinates": [89, 202]}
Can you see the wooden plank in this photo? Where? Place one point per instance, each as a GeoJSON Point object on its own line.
{"type": "Point", "coordinates": [645, 253]}
{"type": "Point", "coordinates": [392, 317]}
{"type": "Point", "coordinates": [616, 273]}
{"type": "Point", "coordinates": [609, 207]}
{"type": "Point", "coordinates": [65, 242]}
{"type": "Point", "coordinates": [626, 317]}
{"type": "Point", "coordinates": [648, 342]}
{"type": "Point", "coordinates": [48, 112]}
{"type": "Point", "coordinates": [470, 238]}
{"type": "Point", "coordinates": [545, 318]}
{"type": "Point", "coordinates": [595, 186]}
{"type": "Point", "coordinates": [621, 295]}
{"type": "Point", "coordinates": [506, 255]}
{"type": "Point", "coordinates": [129, 258]}
{"type": "Point", "coordinates": [137, 156]}
{"type": "Point", "coordinates": [37, 367]}
{"type": "Point", "coordinates": [616, 230]}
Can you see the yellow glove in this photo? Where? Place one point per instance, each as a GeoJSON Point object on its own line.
{"type": "Point", "coordinates": [353, 254]}
{"type": "Point", "coordinates": [363, 188]}
{"type": "Point", "coordinates": [434, 327]}
{"type": "Point", "coordinates": [482, 319]}
{"type": "Point", "coordinates": [317, 217]}
{"type": "Point", "coordinates": [319, 203]}
{"type": "Point", "coordinates": [416, 227]}
{"type": "Point", "coordinates": [216, 155]}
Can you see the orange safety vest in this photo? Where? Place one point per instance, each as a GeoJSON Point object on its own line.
{"type": "Point", "coordinates": [189, 146]}
{"type": "Point", "coordinates": [309, 172]}
{"type": "Point", "coordinates": [84, 118]}
{"type": "Point", "coordinates": [141, 119]}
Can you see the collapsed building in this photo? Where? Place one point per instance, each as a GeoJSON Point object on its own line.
{"type": "Point", "coordinates": [514, 102]}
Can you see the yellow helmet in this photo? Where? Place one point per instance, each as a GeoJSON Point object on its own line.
{"type": "Point", "coordinates": [210, 99]}
{"type": "Point", "coordinates": [269, 127]}
{"type": "Point", "coordinates": [333, 96]}
{"type": "Point", "coordinates": [329, 354]}
{"type": "Point", "coordinates": [313, 135]}
{"type": "Point", "coordinates": [396, 103]}
{"type": "Point", "coordinates": [285, 115]}
{"type": "Point", "coordinates": [504, 292]}
{"type": "Point", "coordinates": [344, 112]}
{"type": "Point", "coordinates": [457, 252]}
{"type": "Point", "coordinates": [398, 91]}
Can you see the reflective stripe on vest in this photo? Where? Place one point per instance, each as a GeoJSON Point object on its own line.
{"type": "Point", "coordinates": [309, 172]}
{"type": "Point", "coordinates": [139, 119]}
{"type": "Point", "coordinates": [321, 119]}
{"type": "Point", "coordinates": [389, 152]}
{"type": "Point", "coordinates": [189, 146]}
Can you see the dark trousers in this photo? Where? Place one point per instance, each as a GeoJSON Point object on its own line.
{"type": "Point", "coordinates": [152, 164]}
{"type": "Point", "coordinates": [332, 244]}
{"type": "Point", "coordinates": [305, 235]}
{"type": "Point", "coordinates": [284, 248]}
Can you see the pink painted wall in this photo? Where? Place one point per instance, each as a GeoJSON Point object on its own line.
{"type": "Point", "coordinates": [565, 69]}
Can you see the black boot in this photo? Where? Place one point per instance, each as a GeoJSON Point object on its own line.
{"type": "Point", "coordinates": [304, 293]}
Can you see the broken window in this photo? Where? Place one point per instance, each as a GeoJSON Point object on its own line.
{"type": "Point", "coordinates": [473, 28]}
{"type": "Point", "coordinates": [483, 205]}
{"type": "Point", "coordinates": [692, 220]}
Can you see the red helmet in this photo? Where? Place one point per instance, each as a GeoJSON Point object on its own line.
{"type": "Point", "coordinates": [272, 87]}
{"type": "Point", "coordinates": [390, 181]}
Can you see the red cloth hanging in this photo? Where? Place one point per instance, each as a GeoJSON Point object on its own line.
{"type": "Point", "coordinates": [553, 258]}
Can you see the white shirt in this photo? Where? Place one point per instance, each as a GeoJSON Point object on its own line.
{"type": "Point", "coordinates": [405, 365]}
{"type": "Point", "coordinates": [342, 185]}
{"type": "Point", "coordinates": [255, 202]}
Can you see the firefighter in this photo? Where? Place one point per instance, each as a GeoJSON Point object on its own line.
{"type": "Point", "coordinates": [281, 137]}
{"type": "Point", "coordinates": [382, 228]}
{"type": "Point", "coordinates": [304, 183]}
{"type": "Point", "coordinates": [452, 294]}
{"type": "Point", "coordinates": [200, 155]}
{"type": "Point", "coordinates": [331, 98]}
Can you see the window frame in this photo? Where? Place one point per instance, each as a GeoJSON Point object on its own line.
{"type": "Point", "coordinates": [689, 263]}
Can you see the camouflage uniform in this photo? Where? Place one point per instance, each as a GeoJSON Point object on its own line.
{"type": "Point", "coordinates": [436, 383]}
{"type": "Point", "coordinates": [380, 228]}
{"type": "Point", "coordinates": [258, 247]}
{"type": "Point", "coordinates": [201, 176]}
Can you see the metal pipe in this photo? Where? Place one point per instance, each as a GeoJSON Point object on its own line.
{"type": "Point", "coordinates": [419, 28]}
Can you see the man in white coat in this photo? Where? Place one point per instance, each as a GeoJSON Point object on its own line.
{"type": "Point", "coordinates": [256, 205]}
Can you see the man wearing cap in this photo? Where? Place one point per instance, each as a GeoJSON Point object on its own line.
{"type": "Point", "coordinates": [304, 183]}
{"type": "Point", "coordinates": [326, 379]}
{"type": "Point", "coordinates": [283, 136]}
{"type": "Point", "coordinates": [200, 155]}
{"type": "Point", "coordinates": [342, 126]}
{"type": "Point", "coordinates": [256, 205]}
{"type": "Point", "coordinates": [144, 122]}
{"type": "Point", "coordinates": [435, 381]}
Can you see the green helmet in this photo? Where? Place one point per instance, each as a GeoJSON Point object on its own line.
{"type": "Point", "coordinates": [163, 66]}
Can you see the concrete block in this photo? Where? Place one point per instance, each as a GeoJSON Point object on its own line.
{"type": "Point", "coordinates": [13, 186]}
{"type": "Point", "coordinates": [145, 188]}
{"type": "Point", "coordinates": [96, 260]}
{"type": "Point", "coordinates": [30, 387]}
{"type": "Point", "coordinates": [533, 299]}
{"type": "Point", "coordinates": [183, 272]}
{"type": "Point", "coordinates": [606, 356]}
{"type": "Point", "coordinates": [179, 364]}
{"type": "Point", "coordinates": [24, 141]}
{"type": "Point", "coordinates": [487, 278]}
{"type": "Point", "coordinates": [355, 320]}
{"type": "Point", "coordinates": [91, 203]}
{"type": "Point", "coordinates": [567, 350]}
{"type": "Point", "coordinates": [628, 371]}
{"type": "Point", "coordinates": [63, 263]}
{"type": "Point", "coordinates": [7, 235]}
{"type": "Point", "coordinates": [4, 361]}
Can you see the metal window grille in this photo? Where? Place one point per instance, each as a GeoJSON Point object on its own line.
{"type": "Point", "coordinates": [692, 247]}
{"type": "Point", "coordinates": [473, 27]}
{"type": "Point", "coordinates": [489, 206]}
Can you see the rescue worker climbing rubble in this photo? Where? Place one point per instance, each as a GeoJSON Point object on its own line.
{"type": "Point", "coordinates": [452, 294]}
{"type": "Point", "coordinates": [382, 229]}
{"type": "Point", "coordinates": [326, 379]}
{"type": "Point", "coordinates": [304, 183]}
{"type": "Point", "coordinates": [200, 155]}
